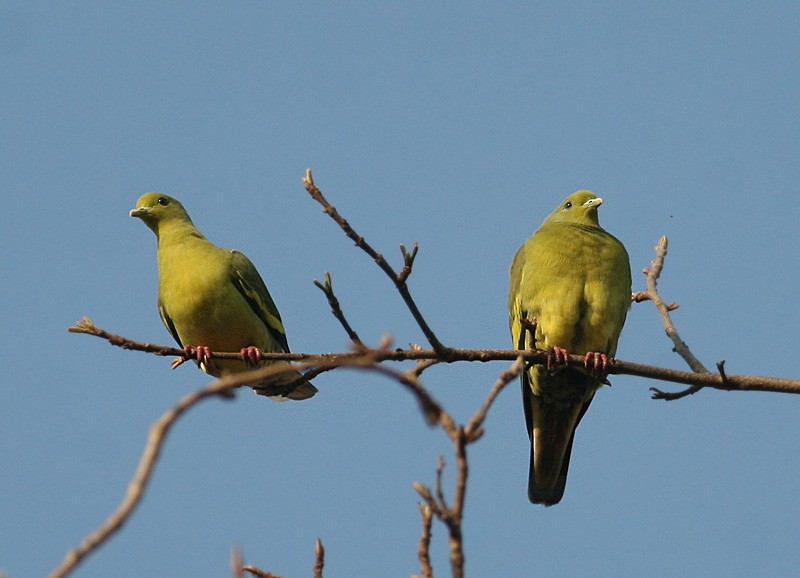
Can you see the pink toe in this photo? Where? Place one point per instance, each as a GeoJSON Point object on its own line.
{"type": "Point", "coordinates": [596, 363]}
{"type": "Point", "coordinates": [556, 357]}
{"type": "Point", "coordinates": [251, 355]}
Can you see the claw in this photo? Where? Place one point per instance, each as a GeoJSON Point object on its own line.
{"type": "Point", "coordinates": [596, 364]}
{"type": "Point", "coordinates": [251, 356]}
{"type": "Point", "coordinates": [201, 353]}
{"type": "Point", "coordinates": [556, 358]}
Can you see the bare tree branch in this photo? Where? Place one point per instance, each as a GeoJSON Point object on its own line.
{"type": "Point", "coordinates": [399, 279]}
{"type": "Point", "coordinates": [155, 440]}
{"type": "Point", "coordinates": [679, 346]}
{"type": "Point", "coordinates": [159, 430]}
{"type": "Point", "coordinates": [326, 362]}
{"type": "Point", "coordinates": [699, 379]}
{"type": "Point", "coordinates": [436, 504]}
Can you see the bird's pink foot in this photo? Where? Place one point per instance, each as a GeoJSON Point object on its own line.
{"type": "Point", "coordinates": [557, 357]}
{"type": "Point", "coordinates": [596, 364]}
{"type": "Point", "coordinates": [251, 356]}
{"type": "Point", "coordinates": [201, 353]}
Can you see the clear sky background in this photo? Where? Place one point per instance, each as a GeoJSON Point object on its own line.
{"type": "Point", "coordinates": [459, 126]}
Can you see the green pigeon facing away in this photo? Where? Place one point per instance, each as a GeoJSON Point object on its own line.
{"type": "Point", "coordinates": [571, 279]}
{"type": "Point", "coordinates": [211, 298]}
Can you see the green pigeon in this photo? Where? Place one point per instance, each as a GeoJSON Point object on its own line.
{"type": "Point", "coordinates": [572, 280]}
{"type": "Point", "coordinates": [211, 298]}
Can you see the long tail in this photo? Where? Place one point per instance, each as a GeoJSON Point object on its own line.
{"type": "Point", "coordinates": [552, 432]}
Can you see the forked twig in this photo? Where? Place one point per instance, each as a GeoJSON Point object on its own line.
{"type": "Point", "coordinates": [399, 279]}
{"type": "Point", "coordinates": [436, 504]}
{"type": "Point", "coordinates": [679, 346]}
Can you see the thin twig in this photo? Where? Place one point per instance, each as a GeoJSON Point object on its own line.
{"type": "Point", "coordinates": [319, 559]}
{"type": "Point", "coordinates": [721, 369]}
{"type": "Point", "coordinates": [237, 565]}
{"type": "Point", "coordinates": [399, 279]}
{"type": "Point", "coordinates": [423, 550]}
{"type": "Point", "coordinates": [155, 441]}
{"type": "Point", "coordinates": [652, 278]}
{"type": "Point", "coordinates": [422, 364]}
{"type": "Point", "coordinates": [258, 572]}
{"type": "Point", "coordinates": [436, 504]}
{"type": "Point", "coordinates": [679, 346]}
{"type": "Point", "coordinates": [437, 486]}
{"type": "Point", "coordinates": [474, 428]}
{"type": "Point", "coordinates": [336, 309]}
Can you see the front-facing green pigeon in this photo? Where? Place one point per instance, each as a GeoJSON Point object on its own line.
{"type": "Point", "coordinates": [572, 281]}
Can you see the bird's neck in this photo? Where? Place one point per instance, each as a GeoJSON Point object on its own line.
{"type": "Point", "coordinates": [175, 234]}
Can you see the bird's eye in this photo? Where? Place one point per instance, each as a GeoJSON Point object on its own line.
{"type": "Point", "coordinates": [163, 201]}
{"type": "Point", "coordinates": [567, 205]}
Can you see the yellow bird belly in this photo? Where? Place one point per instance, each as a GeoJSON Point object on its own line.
{"type": "Point", "coordinates": [207, 310]}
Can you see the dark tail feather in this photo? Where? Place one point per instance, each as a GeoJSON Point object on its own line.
{"type": "Point", "coordinates": [289, 386]}
{"type": "Point", "coordinates": [549, 496]}
{"type": "Point", "coordinates": [553, 431]}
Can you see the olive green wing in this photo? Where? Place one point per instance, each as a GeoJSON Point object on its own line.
{"type": "Point", "coordinates": [249, 283]}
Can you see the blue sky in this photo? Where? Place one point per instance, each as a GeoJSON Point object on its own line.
{"type": "Point", "coordinates": [459, 126]}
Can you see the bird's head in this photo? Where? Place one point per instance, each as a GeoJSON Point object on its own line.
{"type": "Point", "coordinates": [579, 208]}
{"type": "Point", "coordinates": [156, 209]}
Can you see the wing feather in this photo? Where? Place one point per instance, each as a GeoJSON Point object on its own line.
{"type": "Point", "coordinates": [249, 283]}
{"type": "Point", "coordinates": [167, 321]}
